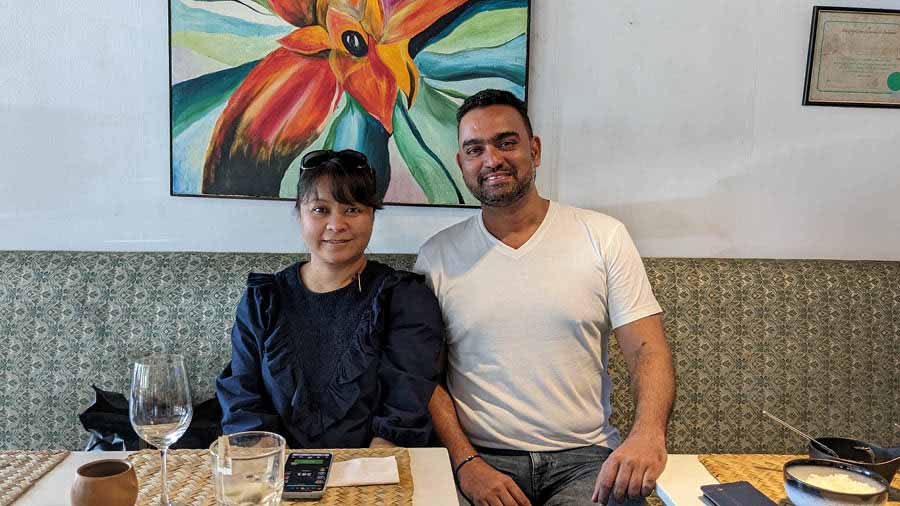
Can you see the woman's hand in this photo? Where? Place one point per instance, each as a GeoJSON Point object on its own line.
{"type": "Point", "coordinates": [378, 442]}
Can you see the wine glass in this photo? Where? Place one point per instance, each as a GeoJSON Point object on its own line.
{"type": "Point", "coordinates": [160, 405]}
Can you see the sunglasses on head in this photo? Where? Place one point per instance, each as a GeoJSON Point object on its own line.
{"type": "Point", "coordinates": [349, 158]}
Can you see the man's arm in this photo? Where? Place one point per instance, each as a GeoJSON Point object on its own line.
{"type": "Point", "coordinates": [632, 469]}
{"type": "Point", "coordinates": [481, 483]}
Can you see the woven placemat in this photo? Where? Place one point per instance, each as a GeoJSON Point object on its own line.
{"type": "Point", "coordinates": [190, 479]}
{"type": "Point", "coordinates": [387, 495]}
{"type": "Point", "coordinates": [19, 470]}
{"type": "Point", "coordinates": [765, 473]}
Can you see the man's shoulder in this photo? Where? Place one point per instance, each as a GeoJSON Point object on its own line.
{"type": "Point", "coordinates": [596, 221]}
{"type": "Point", "coordinates": [450, 236]}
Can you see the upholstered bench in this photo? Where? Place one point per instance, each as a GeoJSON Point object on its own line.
{"type": "Point", "coordinates": [817, 342]}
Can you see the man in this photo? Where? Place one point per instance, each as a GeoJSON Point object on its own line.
{"type": "Point", "coordinates": [531, 291]}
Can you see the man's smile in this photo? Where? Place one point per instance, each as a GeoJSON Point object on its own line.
{"type": "Point", "coordinates": [497, 177]}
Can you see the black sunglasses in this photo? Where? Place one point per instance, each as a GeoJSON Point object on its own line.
{"type": "Point", "coordinates": [349, 158]}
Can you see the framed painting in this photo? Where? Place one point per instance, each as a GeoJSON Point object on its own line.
{"type": "Point", "coordinates": [255, 84]}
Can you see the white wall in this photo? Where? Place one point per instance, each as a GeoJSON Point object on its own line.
{"type": "Point", "coordinates": [683, 119]}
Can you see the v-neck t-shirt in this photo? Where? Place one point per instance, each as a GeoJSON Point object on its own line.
{"type": "Point", "coordinates": [528, 328]}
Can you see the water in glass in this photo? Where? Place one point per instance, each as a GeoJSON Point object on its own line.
{"type": "Point", "coordinates": [248, 468]}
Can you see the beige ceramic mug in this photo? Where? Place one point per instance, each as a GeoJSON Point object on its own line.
{"type": "Point", "coordinates": [106, 482]}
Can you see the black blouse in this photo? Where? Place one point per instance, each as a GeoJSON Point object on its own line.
{"type": "Point", "coordinates": [334, 370]}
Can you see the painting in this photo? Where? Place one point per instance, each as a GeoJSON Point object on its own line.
{"type": "Point", "coordinates": [255, 84]}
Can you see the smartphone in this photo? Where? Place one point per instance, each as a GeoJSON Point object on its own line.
{"type": "Point", "coordinates": [306, 475]}
{"type": "Point", "coordinates": [738, 493]}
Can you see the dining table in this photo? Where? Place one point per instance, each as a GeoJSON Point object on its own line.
{"type": "Point", "coordinates": [680, 482]}
{"type": "Point", "coordinates": [430, 468]}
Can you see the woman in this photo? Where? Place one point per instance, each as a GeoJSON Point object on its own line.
{"type": "Point", "coordinates": [339, 351]}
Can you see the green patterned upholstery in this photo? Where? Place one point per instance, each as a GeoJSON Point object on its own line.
{"type": "Point", "coordinates": [817, 342]}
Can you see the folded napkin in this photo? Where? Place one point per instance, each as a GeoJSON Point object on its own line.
{"type": "Point", "coordinates": [364, 471]}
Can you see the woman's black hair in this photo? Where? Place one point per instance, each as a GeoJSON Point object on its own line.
{"type": "Point", "coordinates": [352, 179]}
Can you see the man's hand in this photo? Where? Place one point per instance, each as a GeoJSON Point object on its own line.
{"type": "Point", "coordinates": [485, 486]}
{"type": "Point", "coordinates": [632, 469]}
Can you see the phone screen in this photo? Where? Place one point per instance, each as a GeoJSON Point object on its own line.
{"type": "Point", "coordinates": [306, 472]}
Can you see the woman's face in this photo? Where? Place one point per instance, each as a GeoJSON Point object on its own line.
{"type": "Point", "coordinates": [335, 233]}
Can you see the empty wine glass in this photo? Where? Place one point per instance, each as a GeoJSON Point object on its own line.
{"type": "Point", "coordinates": [160, 405]}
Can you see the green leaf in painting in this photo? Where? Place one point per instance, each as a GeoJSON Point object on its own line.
{"type": "Point", "coordinates": [426, 138]}
{"type": "Point", "coordinates": [192, 99]}
{"type": "Point", "coordinates": [349, 127]}
{"type": "Point", "coordinates": [462, 90]}
{"type": "Point", "coordinates": [225, 48]}
{"type": "Point", "coordinates": [485, 29]}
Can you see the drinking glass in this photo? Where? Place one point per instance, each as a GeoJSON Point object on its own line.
{"type": "Point", "coordinates": [160, 405]}
{"type": "Point", "coordinates": [248, 468]}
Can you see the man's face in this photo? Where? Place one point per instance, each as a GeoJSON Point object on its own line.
{"type": "Point", "coordinates": [496, 155]}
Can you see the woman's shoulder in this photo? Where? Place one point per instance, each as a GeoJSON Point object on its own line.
{"type": "Point", "coordinates": [264, 289]}
{"type": "Point", "coordinates": [257, 280]}
{"type": "Point", "coordinates": [405, 293]}
{"type": "Point", "coordinates": [265, 280]}
{"type": "Point", "coordinates": [394, 280]}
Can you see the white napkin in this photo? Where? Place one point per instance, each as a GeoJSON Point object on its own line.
{"type": "Point", "coordinates": [364, 471]}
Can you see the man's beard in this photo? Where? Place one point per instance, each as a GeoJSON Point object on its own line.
{"type": "Point", "coordinates": [503, 197]}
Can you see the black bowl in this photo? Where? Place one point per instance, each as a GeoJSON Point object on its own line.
{"type": "Point", "coordinates": [887, 460]}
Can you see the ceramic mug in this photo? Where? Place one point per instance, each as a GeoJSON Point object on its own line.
{"type": "Point", "coordinates": [107, 482]}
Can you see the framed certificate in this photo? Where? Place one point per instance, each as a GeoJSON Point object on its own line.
{"type": "Point", "coordinates": [854, 58]}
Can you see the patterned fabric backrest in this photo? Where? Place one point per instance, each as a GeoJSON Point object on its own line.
{"type": "Point", "coordinates": [816, 342]}
{"type": "Point", "coordinates": [72, 319]}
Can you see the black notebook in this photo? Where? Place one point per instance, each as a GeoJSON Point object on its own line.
{"type": "Point", "coordinates": [739, 493]}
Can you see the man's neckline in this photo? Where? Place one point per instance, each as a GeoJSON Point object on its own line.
{"type": "Point", "coordinates": [531, 242]}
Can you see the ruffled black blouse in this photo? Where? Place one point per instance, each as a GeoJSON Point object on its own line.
{"type": "Point", "coordinates": [378, 383]}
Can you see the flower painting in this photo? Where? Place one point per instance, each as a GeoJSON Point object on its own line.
{"type": "Point", "coordinates": [255, 84]}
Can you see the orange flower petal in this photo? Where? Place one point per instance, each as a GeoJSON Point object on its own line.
{"type": "Point", "coordinates": [370, 82]}
{"type": "Point", "coordinates": [278, 110]}
{"type": "Point", "coordinates": [353, 7]}
{"type": "Point", "coordinates": [308, 40]}
{"type": "Point", "coordinates": [396, 57]}
{"type": "Point", "coordinates": [295, 12]}
{"type": "Point", "coordinates": [407, 18]}
{"type": "Point", "coordinates": [373, 19]}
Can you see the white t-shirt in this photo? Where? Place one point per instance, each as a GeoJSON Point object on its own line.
{"type": "Point", "coordinates": [528, 328]}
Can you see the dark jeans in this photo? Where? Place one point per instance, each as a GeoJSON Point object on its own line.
{"type": "Point", "coordinates": [559, 478]}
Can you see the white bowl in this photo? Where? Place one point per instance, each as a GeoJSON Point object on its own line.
{"type": "Point", "coordinates": [802, 493]}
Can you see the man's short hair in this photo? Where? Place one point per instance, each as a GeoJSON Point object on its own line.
{"type": "Point", "coordinates": [485, 98]}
